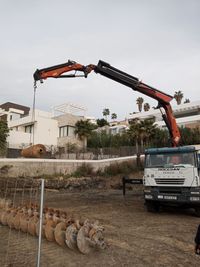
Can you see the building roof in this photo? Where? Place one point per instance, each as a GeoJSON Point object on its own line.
{"type": "Point", "coordinates": [191, 109]}
{"type": "Point", "coordinates": [8, 105]}
{"type": "Point", "coordinates": [70, 108]}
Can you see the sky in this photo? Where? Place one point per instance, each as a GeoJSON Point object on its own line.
{"type": "Point", "coordinates": [157, 41]}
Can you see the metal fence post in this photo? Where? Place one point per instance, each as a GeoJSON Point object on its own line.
{"type": "Point", "coordinates": [40, 219]}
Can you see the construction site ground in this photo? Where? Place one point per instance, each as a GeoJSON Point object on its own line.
{"type": "Point", "coordinates": [134, 236]}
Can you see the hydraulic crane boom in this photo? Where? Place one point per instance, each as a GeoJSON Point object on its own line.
{"type": "Point", "coordinates": [119, 76]}
{"type": "Point", "coordinates": [57, 71]}
{"type": "Point", "coordinates": [163, 99]}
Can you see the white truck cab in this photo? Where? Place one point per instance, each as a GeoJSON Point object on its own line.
{"type": "Point", "coordinates": [171, 176]}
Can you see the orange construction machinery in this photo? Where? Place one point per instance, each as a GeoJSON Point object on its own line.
{"type": "Point", "coordinates": [105, 69]}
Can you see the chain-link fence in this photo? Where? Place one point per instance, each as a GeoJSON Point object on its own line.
{"type": "Point", "coordinates": [17, 198]}
{"type": "Point", "coordinates": [99, 153]}
{"type": "Point", "coordinates": [88, 153]}
{"type": "Point", "coordinates": [23, 219]}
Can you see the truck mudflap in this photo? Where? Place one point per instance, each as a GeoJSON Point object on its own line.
{"type": "Point", "coordinates": [190, 196]}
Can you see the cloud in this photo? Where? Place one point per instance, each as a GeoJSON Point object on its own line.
{"type": "Point", "coordinates": [157, 41]}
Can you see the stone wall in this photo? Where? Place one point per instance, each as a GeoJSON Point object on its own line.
{"type": "Point", "coordinates": [39, 167]}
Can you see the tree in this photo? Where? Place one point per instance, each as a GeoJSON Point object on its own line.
{"type": "Point", "coordinates": [106, 113]}
{"type": "Point", "coordinates": [147, 130]}
{"type": "Point", "coordinates": [4, 132]}
{"type": "Point", "coordinates": [142, 132]}
{"type": "Point", "coordinates": [134, 133]}
{"type": "Point", "coordinates": [146, 106]}
{"type": "Point", "coordinates": [187, 100]}
{"type": "Point", "coordinates": [139, 102]}
{"type": "Point", "coordinates": [83, 128]}
{"type": "Point", "coordinates": [113, 116]}
{"type": "Point", "coordinates": [104, 139]}
{"type": "Point", "coordinates": [160, 138]}
{"type": "Point", "coordinates": [190, 136]}
{"type": "Point", "coordinates": [102, 122]}
{"type": "Point", "coordinates": [178, 96]}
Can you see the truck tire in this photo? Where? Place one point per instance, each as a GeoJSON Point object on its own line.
{"type": "Point", "coordinates": [197, 211]}
{"type": "Point", "coordinates": [152, 206]}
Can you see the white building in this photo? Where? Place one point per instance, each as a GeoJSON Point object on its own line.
{"type": "Point", "coordinates": [118, 129]}
{"type": "Point", "coordinates": [187, 115]}
{"type": "Point", "coordinates": [41, 127]}
{"type": "Point", "coordinates": [44, 127]}
{"type": "Point", "coordinates": [37, 128]}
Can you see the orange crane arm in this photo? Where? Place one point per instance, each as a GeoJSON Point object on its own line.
{"type": "Point", "coordinates": [119, 76]}
{"type": "Point", "coordinates": [57, 71]}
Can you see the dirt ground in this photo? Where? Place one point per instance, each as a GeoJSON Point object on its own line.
{"type": "Point", "coordinates": [134, 236]}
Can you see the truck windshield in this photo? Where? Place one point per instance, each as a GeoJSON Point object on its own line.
{"type": "Point", "coordinates": [169, 160]}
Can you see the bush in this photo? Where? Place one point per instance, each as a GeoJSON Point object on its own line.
{"type": "Point", "coordinates": [120, 168]}
{"type": "Point", "coordinates": [113, 169]}
{"type": "Point", "coordinates": [4, 132]}
{"type": "Point", "coordinates": [5, 168]}
{"type": "Point", "coordinates": [83, 170]}
{"type": "Point", "coordinates": [71, 147]}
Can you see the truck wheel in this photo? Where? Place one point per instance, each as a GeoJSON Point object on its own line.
{"type": "Point", "coordinates": [152, 206]}
{"type": "Point", "coordinates": [197, 211]}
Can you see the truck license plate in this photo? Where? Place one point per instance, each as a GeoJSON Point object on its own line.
{"type": "Point", "coordinates": [170, 197]}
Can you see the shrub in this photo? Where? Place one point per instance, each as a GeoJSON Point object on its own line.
{"type": "Point", "coordinates": [83, 170]}
{"type": "Point", "coordinates": [125, 167]}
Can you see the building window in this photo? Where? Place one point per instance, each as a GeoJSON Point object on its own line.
{"type": "Point", "coordinates": [66, 131]}
{"type": "Point", "coordinates": [71, 130]}
{"type": "Point", "coordinates": [29, 128]}
{"type": "Point", "coordinates": [14, 116]}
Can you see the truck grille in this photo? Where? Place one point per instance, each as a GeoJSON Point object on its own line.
{"type": "Point", "coordinates": [175, 181]}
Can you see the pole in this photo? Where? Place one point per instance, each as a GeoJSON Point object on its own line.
{"type": "Point", "coordinates": [40, 219]}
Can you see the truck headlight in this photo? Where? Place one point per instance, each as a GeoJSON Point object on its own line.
{"type": "Point", "coordinates": [147, 191]}
{"type": "Point", "coordinates": [148, 196]}
{"type": "Point", "coordinates": [194, 198]}
{"type": "Point", "coordinates": [195, 193]}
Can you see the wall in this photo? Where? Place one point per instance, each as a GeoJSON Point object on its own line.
{"type": "Point", "coordinates": [37, 167]}
{"type": "Point", "coordinates": [64, 120]}
{"type": "Point", "coordinates": [45, 130]}
{"type": "Point", "coordinates": [16, 139]}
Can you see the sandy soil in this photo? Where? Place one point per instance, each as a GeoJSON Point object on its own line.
{"type": "Point", "coordinates": [134, 236]}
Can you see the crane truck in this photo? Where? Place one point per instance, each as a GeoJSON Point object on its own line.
{"type": "Point", "coordinates": [171, 174]}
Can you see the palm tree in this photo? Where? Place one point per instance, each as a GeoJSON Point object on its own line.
{"type": "Point", "coordinates": [160, 138]}
{"type": "Point", "coordinates": [187, 100]}
{"type": "Point", "coordinates": [83, 128]}
{"type": "Point", "coordinates": [178, 96]}
{"type": "Point", "coordinates": [139, 102]}
{"type": "Point", "coordinates": [146, 106]}
{"type": "Point", "coordinates": [148, 129]}
{"type": "Point", "coordinates": [102, 122]}
{"type": "Point", "coordinates": [106, 112]}
{"type": "Point", "coordinates": [142, 130]}
{"type": "Point", "coordinates": [134, 133]}
{"type": "Point", "coordinates": [113, 116]}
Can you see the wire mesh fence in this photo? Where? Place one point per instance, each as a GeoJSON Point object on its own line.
{"type": "Point", "coordinates": [98, 153]}
{"type": "Point", "coordinates": [88, 153]}
{"type": "Point", "coordinates": [61, 232]}
{"type": "Point", "coordinates": [17, 196]}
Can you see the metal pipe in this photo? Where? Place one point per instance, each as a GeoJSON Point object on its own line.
{"type": "Point", "coordinates": [40, 219]}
